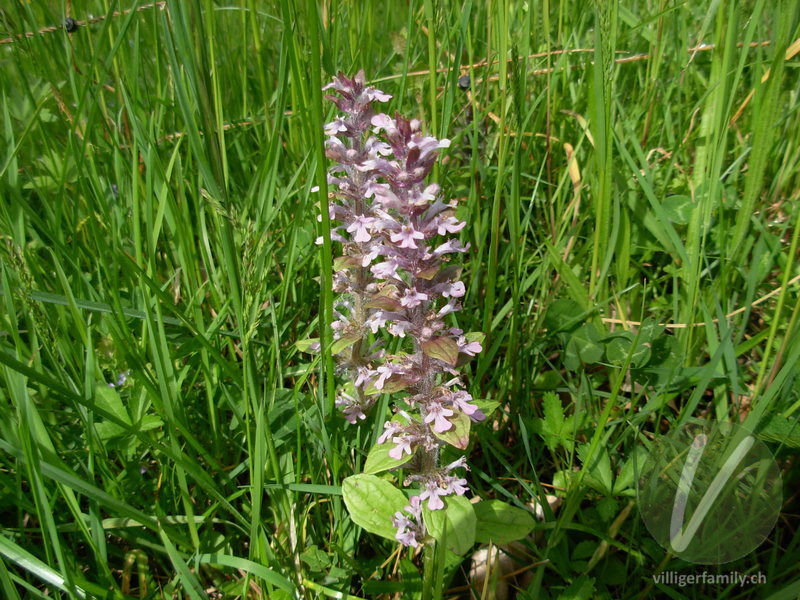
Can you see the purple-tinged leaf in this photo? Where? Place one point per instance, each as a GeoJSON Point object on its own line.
{"type": "Point", "coordinates": [442, 348]}
{"type": "Point", "coordinates": [458, 435]}
{"type": "Point", "coordinates": [391, 385]}
{"type": "Point", "coordinates": [340, 263]}
{"type": "Point", "coordinates": [383, 302]}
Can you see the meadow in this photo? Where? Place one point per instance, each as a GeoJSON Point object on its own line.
{"type": "Point", "coordinates": [629, 175]}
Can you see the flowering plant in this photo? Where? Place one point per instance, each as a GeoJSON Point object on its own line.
{"type": "Point", "coordinates": [397, 282]}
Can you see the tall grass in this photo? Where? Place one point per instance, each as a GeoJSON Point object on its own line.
{"type": "Point", "coordinates": [157, 219]}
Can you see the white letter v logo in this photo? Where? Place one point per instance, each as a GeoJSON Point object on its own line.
{"type": "Point", "coordinates": [679, 537]}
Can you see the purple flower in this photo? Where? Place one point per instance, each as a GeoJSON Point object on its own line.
{"type": "Point", "coordinates": [394, 279]}
{"type": "Point", "coordinates": [449, 247]}
{"type": "Point", "coordinates": [375, 321]}
{"type": "Point", "coordinates": [459, 463]}
{"type": "Point", "coordinates": [351, 408]}
{"type": "Point", "coordinates": [469, 348]}
{"type": "Point", "coordinates": [402, 446]}
{"type": "Point", "coordinates": [376, 148]}
{"type": "Point", "coordinates": [383, 122]}
{"type": "Point", "coordinates": [406, 236]}
{"type": "Point", "coordinates": [423, 197]}
{"type": "Point", "coordinates": [399, 328]}
{"type": "Point", "coordinates": [390, 428]}
{"type": "Point", "coordinates": [369, 257]}
{"type": "Point", "coordinates": [460, 400]}
{"type": "Point", "coordinates": [385, 372]}
{"type": "Point", "coordinates": [438, 415]}
{"type": "Point", "coordinates": [454, 290]}
{"type": "Point", "coordinates": [449, 225]}
{"type": "Point", "coordinates": [412, 298]}
{"type": "Point", "coordinates": [410, 532]}
{"type": "Point", "coordinates": [405, 530]}
{"type": "Point", "coordinates": [363, 374]}
{"type": "Point", "coordinates": [373, 94]}
{"type": "Point", "coordinates": [383, 194]}
{"type": "Point", "coordinates": [401, 521]}
{"type": "Point", "coordinates": [122, 377]}
{"type": "Point", "coordinates": [433, 494]}
{"type": "Point", "coordinates": [415, 507]}
{"type": "Point", "coordinates": [360, 227]}
{"type": "Point", "coordinates": [427, 145]}
{"type": "Point", "coordinates": [451, 306]}
{"type": "Point", "coordinates": [455, 485]}
{"type": "Point", "coordinates": [386, 269]}
{"type": "Point", "coordinates": [335, 127]}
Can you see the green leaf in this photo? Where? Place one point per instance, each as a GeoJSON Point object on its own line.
{"type": "Point", "coordinates": [187, 576]}
{"type": "Point", "coordinates": [306, 345]}
{"type": "Point", "coordinates": [547, 380]}
{"type": "Point", "coordinates": [316, 559]}
{"type": "Point", "coordinates": [344, 343]}
{"type": "Point", "coordinates": [106, 430]}
{"type": "Point", "coordinates": [247, 566]}
{"type": "Point", "coordinates": [454, 524]}
{"type": "Point", "coordinates": [665, 352]}
{"type": "Point", "coordinates": [442, 348]}
{"type": "Point", "coordinates": [372, 502]}
{"type": "Point", "coordinates": [564, 315]}
{"type": "Point", "coordinates": [108, 399]}
{"type": "Point", "coordinates": [678, 209]}
{"type": "Point", "coordinates": [583, 550]}
{"type": "Point", "coordinates": [487, 407]}
{"type": "Point", "coordinates": [584, 347]}
{"type": "Point", "coordinates": [458, 435]}
{"type": "Point", "coordinates": [553, 412]}
{"type": "Point", "coordinates": [780, 430]}
{"type": "Point", "coordinates": [630, 471]}
{"type": "Point", "coordinates": [597, 469]}
{"type": "Point", "coordinates": [580, 589]}
{"type": "Point", "coordinates": [618, 349]}
{"type": "Point", "coordinates": [650, 330]}
{"type": "Point", "coordinates": [562, 480]}
{"type": "Point", "coordinates": [501, 523]}
{"type": "Point", "coordinates": [475, 336]}
{"type": "Point", "coordinates": [553, 423]}
{"type": "Point", "coordinates": [26, 561]}
{"type": "Point", "coordinates": [149, 422]}
{"type": "Point", "coordinates": [379, 460]}
{"type": "Point", "coordinates": [608, 508]}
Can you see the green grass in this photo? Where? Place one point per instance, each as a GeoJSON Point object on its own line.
{"type": "Point", "coordinates": [156, 217]}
